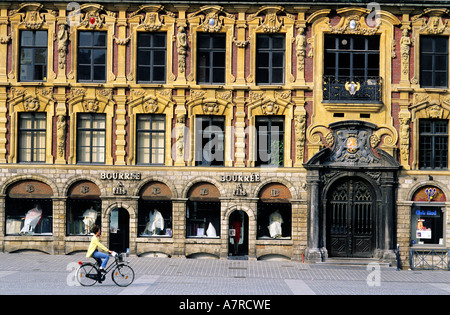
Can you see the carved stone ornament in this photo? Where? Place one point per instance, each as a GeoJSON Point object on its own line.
{"type": "Point", "coordinates": [352, 143]}
{"type": "Point", "coordinates": [151, 106]}
{"type": "Point", "coordinates": [435, 24]}
{"type": "Point", "coordinates": [270, 108]}
{"type": "Point", "coordinates": [270, 22]}
{"type": "Point", "coordinates": [91, 106]}
{"type": "Point", "coordinates": [353, 24]}
{"type": "Point", "coordinates": [210, 108]}
{"type": "Point", "coordinates": [31, 104]}
{"type": "Point", "coordinates": [211, 18]}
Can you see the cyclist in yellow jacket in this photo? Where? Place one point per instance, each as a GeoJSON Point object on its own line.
{"type": "Point", "coordinates": [95, 243]}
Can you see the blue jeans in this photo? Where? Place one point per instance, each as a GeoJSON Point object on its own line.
{"type": "Point", "coordinates": [103, 256]}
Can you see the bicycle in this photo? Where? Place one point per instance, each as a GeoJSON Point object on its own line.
{"type": "Point", "coordinates": [89, 273]}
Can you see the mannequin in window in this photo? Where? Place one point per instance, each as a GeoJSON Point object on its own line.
{"type": "Point", "coordinates": [274, 227]}
{"type": "Point", "coordinates": [238, 225]}
{"type": "Point", "coordinates": [32, 218]}
{"type": "Point", "coordinates": [155, 224]}
{"type": "Point", "coordinates": [90, 216]}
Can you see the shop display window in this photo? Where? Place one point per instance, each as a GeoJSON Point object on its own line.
{"type": "Point", "coordinates": [82, 215]}
{"type": "Point", "coordinates": [155, 218]}
{"type": "Point", "coordinates": [274, 220]}
{"type": "Point", "coordinates": [203, 219]}
{"type": "Point", "coordinates": [28, 216]}
{"type": "Point", "coordinates": [427, 225]}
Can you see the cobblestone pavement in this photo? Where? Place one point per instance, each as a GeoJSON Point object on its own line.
{"type": "Point", "coordinates": [32, 273]}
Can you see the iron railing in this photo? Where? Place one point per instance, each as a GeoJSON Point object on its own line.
{"type": "Point", "coordinates": [429, 259]}
{"type": "Point", "coordinates": [352, 89]}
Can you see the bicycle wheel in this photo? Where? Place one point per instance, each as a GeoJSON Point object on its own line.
{"type": "Point", "coordinates": [123, 275]}
{"type": "Point", "coordinates": [87, 274]}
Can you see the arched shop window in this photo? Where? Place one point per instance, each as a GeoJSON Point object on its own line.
{"type": "Point", "coordinates": [29, 209]}
{"type": "Point", "coordinates": [84, 208]}
{"type": "Point", "coordinates": [155, 211]}
{"type": "Point", "coordinates": [274, 212]}
{"type": "Point", "coordinates": [203, 211]}
{"type": "Point", "coordinates": [428, 217]}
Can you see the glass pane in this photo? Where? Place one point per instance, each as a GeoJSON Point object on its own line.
{"type": "Point", "coordinates": [99, 73]}
{"type": "Point", "coordinates": [84, 73]}
{"type": "Point", "coordinates": [262, 42]}
{"type": "Point", "coordinates": [98, 138]}
{"type": "Point", "coordinates": [278, 59]}
{"type": "Point", "coordinates": [159, 58]}
{"type": "Point", "coordinates": [26, 73]}
{"type": "Point", "coordinates": [159, 74]}
{"type": "Point", "coordinates": [219, 75]}
{"type": "Point", "coordinates": [441, 43]}
{"type": "Point", "coordinates": [26, 38]}
{"type": "Point", "coordinates": [85, 39]}
{"type": "Point", "coordinates": [157, 140]}
{"type": "Point", "coordinates": [158, 124]}
{"type": "Point", "coordinates": [219, 59]}
{"type": "Point", "coordinates": [40, 55]}
{"type": "Point", "coordinates": [40, 72]}
{"type": "Point", "coordinates": [262, 75]}
{"type": "Point", "coordinates": [262, 60]}
{"type": "Point", "coordinates": [99, 122]}
{"type": "Point", "coordinates": [143, 40]}
{"type": "Point", "coordinates": [218, 41]}
{"type": "Point", "coordinates": [143, 155]}
{"type": "Point", "coordinates": [143, 73]}
{"type": "Point", "coordinates": [277, 76]}
{"type": "Point", "coordinates": [26, 56]}
{"type": "Point", "coordinates": [84, 138]}
{"type": "Point", "coordinates": [84, 56]}
{"type": "Point", "coordinates": [99, 56]}
{"type": "Point", "coordinates": [41, 38]}
{"type": "Point", "coordinates": [203, 41]}
{"type": "Point", "coordinates": [158, 156]}
{"type": "Point", "coordinates": [159, 40]}
{"type": "Point", "coordinates": [143, 123]}
{"type": "Point", "coordinates": [143, 57]}
{"type": "Point", "coordinates": [100, 39]}
{"type": "Point", "coordinates": [426, 62]}
{"type": "Point", "coordinates": [278, 42]}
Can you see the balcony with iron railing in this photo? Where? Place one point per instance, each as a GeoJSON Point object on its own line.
{"type": "Point", "coordinates": [354, 89]}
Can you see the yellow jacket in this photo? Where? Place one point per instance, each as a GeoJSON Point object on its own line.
{"type": "Point", "coordinates": [95, 242]}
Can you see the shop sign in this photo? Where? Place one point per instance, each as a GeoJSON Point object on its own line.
{"type": "Point", "coordinates": [252, 178]}
{"type": "Point", "coordinates": [120, 176]}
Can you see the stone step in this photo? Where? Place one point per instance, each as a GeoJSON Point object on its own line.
{"type": "Point", "coordinates": [353, 262]}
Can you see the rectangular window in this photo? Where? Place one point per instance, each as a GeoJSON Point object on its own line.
{"type": "Point", "coordinates": [352, 56]}
{"type": "Point", "coordinates": [32, 135]}
{"type": "Point", "coordinates": [150, 133]}
{"type": "Point", "coordinates": [33, 56]}
{"type": "Point", "coordinates": [151, 58]}
{"type": "Point", "coordinates": [270, 55]}
{"type": "Point", "coordinates": [210, 141]}
{"type": "Point", "coordinates": [211, 58]}
{"type": "Point", "coordinates": [91, 138]}
{"type": "Point", "coordinates": [270, 140]}
{"type": "Point", "coordinates": [434, 61]}
{"type": "Point", "coordinates": [433, 144]}
{"type": "Point", "coordinates": [92, 56]}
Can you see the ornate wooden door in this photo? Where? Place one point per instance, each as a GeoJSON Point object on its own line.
{"type": "Point", "coordinates": [350, 220]}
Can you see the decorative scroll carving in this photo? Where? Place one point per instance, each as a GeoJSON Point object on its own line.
{"type": "Point", "coordinates": [211, 18]}
{"type": "Point", "coordinates": [270, 22]}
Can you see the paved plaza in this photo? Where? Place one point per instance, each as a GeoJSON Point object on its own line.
{"type": "Point", "coordinates": [33, 273]}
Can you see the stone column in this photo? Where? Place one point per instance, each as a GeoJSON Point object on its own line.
{"type": "Point", "coordinates": [179, 227]}
{"type": "Point", "coordinates": [59, 225]}
{"type": "Point", "coordinates": [313, 252]}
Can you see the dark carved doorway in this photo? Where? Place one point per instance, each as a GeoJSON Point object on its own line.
{"type": "Point", "coordinates": [350, 217]}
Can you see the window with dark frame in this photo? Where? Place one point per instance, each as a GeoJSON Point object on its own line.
{"type": "Point", "coordinates": [270, 59]}
{"type": "Point", "coordinates": [92, 56]}
{"type": "Point", "coordinates": [434, 61]}
{"type": "Point", "coordinates": [210, 141]}
{"type": "Point", "coordinates": [433, 144]}
{"type": "Point", "coordinates": [352, 56]}
{"type": "Point", "coordinates": [91, 138]}
{"type": "Point", "coordinates": [211, 58]}
{"type": "Point", "coordinates": [150, 134]}
{"type": "Point", "coordinates": [151, 57]}
{"type": "Point", "coordinates": [33, 56]}
{"type": "Point", "coordinates": [270, 140]}
{"type": "Point", "coordinates": [32, 137]}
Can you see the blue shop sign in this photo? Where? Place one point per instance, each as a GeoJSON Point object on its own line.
{"type": "Point", "coordinates": [427, 212]}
